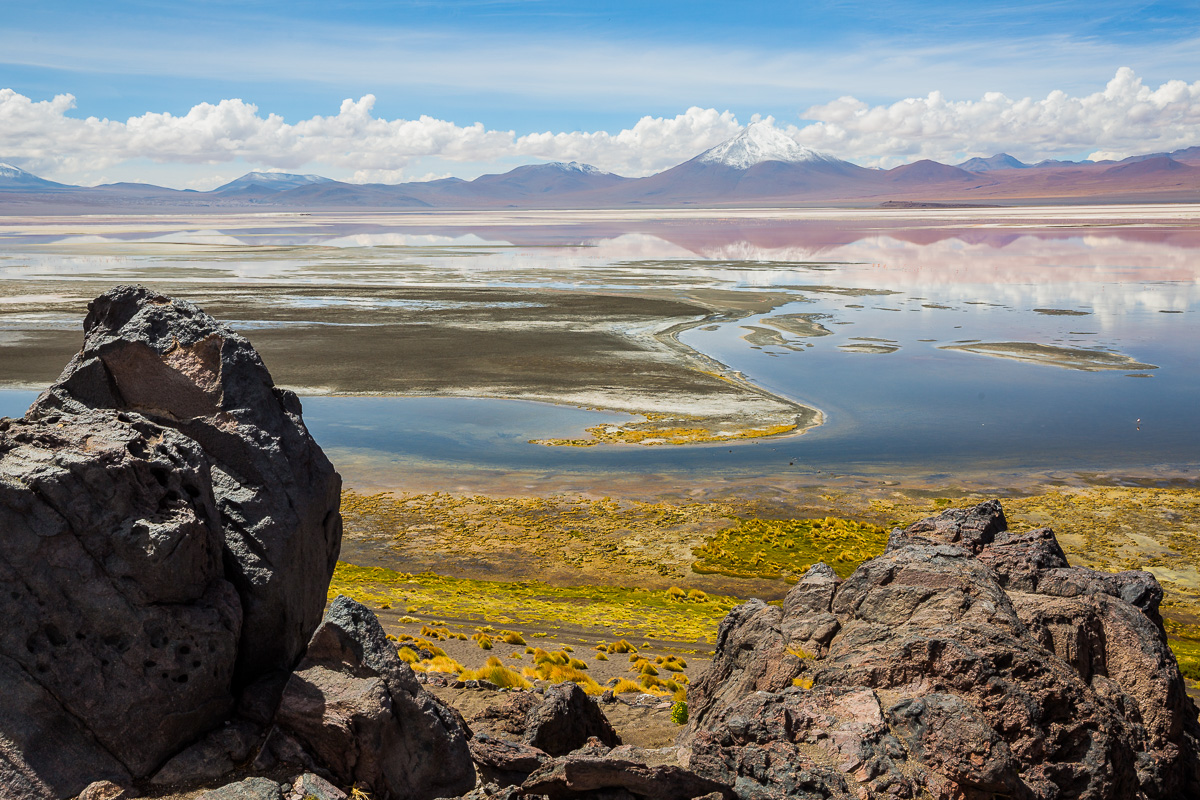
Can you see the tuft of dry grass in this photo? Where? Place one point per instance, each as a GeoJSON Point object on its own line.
{"type": "Point", "coordinates": [496, 672]}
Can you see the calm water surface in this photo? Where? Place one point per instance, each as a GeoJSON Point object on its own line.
{"type": "Point", "coordinates": [919, 409]}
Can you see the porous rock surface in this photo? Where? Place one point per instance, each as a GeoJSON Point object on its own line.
{"type": "Point", "coordinates": [167, 533]}
{"type": "Point", "coordinates": [358, 711]}
{"type": "Point", "coordinates": [965, 662]}
{"type": "Point", "coordinates": [276, 492]}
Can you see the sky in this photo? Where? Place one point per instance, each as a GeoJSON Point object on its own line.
{"type": "Point", "coordinates": [194, 94]}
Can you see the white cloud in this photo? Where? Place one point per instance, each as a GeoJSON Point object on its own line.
{"type": "Point", "coordinates": [1126, 117]}
{"type": "Point", "coordinates": [43, 137]}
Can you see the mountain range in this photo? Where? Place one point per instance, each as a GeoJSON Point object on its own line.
{"type": "Point", "coordinates": [759, 167]}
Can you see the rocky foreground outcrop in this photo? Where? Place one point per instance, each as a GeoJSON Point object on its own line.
{"type": "Point", "coordinates": [168, 529]}
{"type": "Point", "coordinates": [965, 662]}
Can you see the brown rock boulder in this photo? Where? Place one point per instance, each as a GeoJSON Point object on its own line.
{"type": "Point", "coordinates": [584, 775]}
{"type": "Point", "coordinates": [565, 720]}
{"type": "Point", "coordinates": [359, 711]}
{"type": "Point", "coordinates": [558, 722]}
{"type": "Point", "coordinates": [1060, 687]}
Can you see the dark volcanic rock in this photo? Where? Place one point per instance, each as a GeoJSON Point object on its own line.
{"type": "Point", "coordinates": [276, 492]}
{"type": "Point", "coordinates": [565, 720]}
{"type": "Point", "coordinates": [585, 775]}
{"type": "Point", "coordinates": [502, 762]}
{"type": "Point", "coordinates": [557, 722]}
{"type": "Point", "coordinates": [167, 533]}
{"type": "Point", "coordinates": [964, 662]}
{"type": "Point", "coordinates": [359, 711]}
{"type": "Point", "coordinates": [121, 630]}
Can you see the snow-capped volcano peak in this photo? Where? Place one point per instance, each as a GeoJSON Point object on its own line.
{"type": "Point", "coordinates": [575, 166]}
{"type": "Point", "coordinates": [759, 142]}
{"type": "Point", "coordinates": [9, 171]}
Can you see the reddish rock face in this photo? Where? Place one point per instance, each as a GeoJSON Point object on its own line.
{"type": "Point", "coordinates": [964, 662]}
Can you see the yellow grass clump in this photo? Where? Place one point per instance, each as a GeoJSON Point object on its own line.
{"type": "Point", "coordinates": [511, 637]}
{"type": "Point", "coordinates": [496, 672]}
{"type": "Point", "coordinates": [438, 664]}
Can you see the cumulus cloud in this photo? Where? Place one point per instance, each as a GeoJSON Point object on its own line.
{"type": "Point", "coordinates": [1126, 117]}
{"type": "Point", "coordinates": [42, 136]}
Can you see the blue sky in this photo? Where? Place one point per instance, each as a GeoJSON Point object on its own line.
{"type": "Point", "coordinates": [538, 65]}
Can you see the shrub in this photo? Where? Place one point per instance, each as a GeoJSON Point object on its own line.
{"type": "Point", "coordinates": [624, 686]}
{"type": "Point", "coordinates": [495, 671]}
{"type": "Point", "coordinates": [511, 637]}
{"type": "Point", "coordinates": [648, 669]}
{"type": "Point", "coordinates": [803, 683]}
{"type": "Point", "coordinates": [697, 596]}
{"type": "Point", "coordinates": [483, 640]}
{"type": "Point", "coordinates": [675, 593]}
{"type": "Point", "coordinates": [558, 673]}
{"type": "Point", "coordinates": [425, 644]}
{"type": "Point", "coordinates": [576, 663]}
{"type": "Point", "coordinates": [622, 646]}
{"type": "Point", "coordinates": [601, 657]}
{"type": "Point", "coordinates": [679, 712]}
{"type": "Point", "coordinates": [408, 655]}
{"type": "Point", "coordinates": [439, 664]}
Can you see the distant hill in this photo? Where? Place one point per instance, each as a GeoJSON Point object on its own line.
{"type": "Point", "coordinates": [760, 167]}
{"type": "Point", "coordinates": [268, 182]}
{"type": "Point", "coordinates": [926, 172]}
{"type": "Point", "coordinates": [998, 161]}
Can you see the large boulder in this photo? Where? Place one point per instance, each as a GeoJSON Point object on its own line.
{"type": "Point", "coordinates": [167, 533]}
{"type": "Point", "coordinates": [358, 711]}
{"type": "Point", "coordinates": [121, 630]}
{"type": "Point", "coordinates": [276, 492]}
{"type": "Point", "coordinates": [966, 661]}
{"type": "Point", "coordinates": [557, 722]}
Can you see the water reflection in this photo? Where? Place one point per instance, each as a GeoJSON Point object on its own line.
{"type": "Point", "coordinates": [893, 291]}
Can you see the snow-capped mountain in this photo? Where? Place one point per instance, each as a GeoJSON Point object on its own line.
{"type": "Point", "coordinates": [761, 141]}
{"type": "Point", "coordinates": [575, 166]}
{"type": "Point", "coordinates": [16, 179]}
{"type": "Point", "coordinates": [270, 182]}
{"type": "Point", "coordinates": [760, 162]}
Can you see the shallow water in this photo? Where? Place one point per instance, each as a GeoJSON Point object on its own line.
{"type": "Point", "coordinates": [912, 283]}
